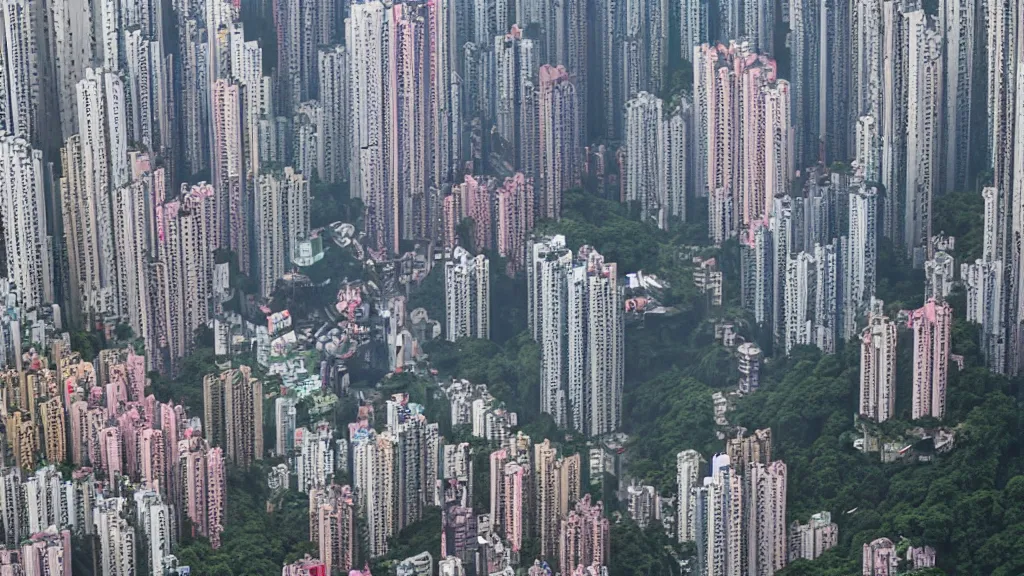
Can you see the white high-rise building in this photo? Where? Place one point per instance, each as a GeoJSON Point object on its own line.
{"type": "Point", "coordinates": [781, 223]}
{"type": "Point", "coordinates": [131, 238]}
{"type": "Point", "coordinates": [657, 157]}
{"type": "Point", "coordinates": [1009, 171]}
{"type": "Point", "coordinates": [367, 44]}
{"type": "Point", "coordinates": [693, 25]}
{"type": "Point", "coordinates": [703, 100]}
{"type": "Point", "coordinates": [764, 491]}
{"type": "Point", "coordinates": [759, 25]}
{"type": "Point", "coordinates": [547, 281]}
{"type": "Point", "coordinates": [643, 504]}
{"type": "Point", "coordinates": [282, 215]}
{"type": "Point", "coordinates": [990, 249]}
{"type": "Point", "coordinates": [44, 500]}
{"type": "Point", "coordinates": [860, 263]}
{"type": "Point", "coordinates": [895, 47]}
{"type": "Point", "coordinates": [957, 28]}
{"type": "Point", "coordinates": [515, 65]}
{"type": "Point", "coordinates": [247, 69]}
{"type": "Point", "coordinates": [269, 232]}
{"type": "Point", "coordinates": [837, 115]}
{"type": "Point", "coordinates": [644, 173]}
{"type": "Point", "coordinates": [867, 57]}
{"type": "Point", "coordinates": [596, 350]}
{"type": "Point", "coordinates": [72, 39]}
{"type": "Point", "coordinates": [1003, 37]}
{"type": "Point", "coordinates": [689, 464]}
{"type": "Point", "coordinates": [938, 276]}
{"type": "Point", "coordinates": [156, 519]}
{"type": "Point", "coordinates": [148, 123]}
{"type": "Point", "coordinates": [467, 296]}
{"type": "Point", "coordinates": [116, 536]}
{"type": "Point", "coordinates": [576, 316]}
{"type": "Point", "coordinates": [634, 51]}
{"type": "Point", "coordinates": [314, 457]}
{"type": "Point", "coordinates": [232, 216]}
{"type": "Point", "coordinates": [924, 157]}
{"type": "Point", "coordinates": [983, 284]}
{"type": "Point", "coordinates": [825, 328]}
{"type": "Point", "coordinates": [808, 541]}
{"type": "Point", "coordinates": [334, 95]}
{"type": "Point", "coordinates": [95, 165]}
{"type": "Point", "coordinates": [21, 94]}
{"type": "Point", "coordinates": [23, 213]}
{"type": "Point", "coordinates": [13, 516]}
{"type": "Point", "coordinates": [757, 272]}
{"type": "Point", "coordinates": [878, 370]}
{"type": "Point", "coordinates": [284, 419]}
{"type": "Point", "coordinates": [375, 482]}
{"type": "Point", "coordinates": [719, 524]}
{"type": "Point", "coordinates": [806, 32]}
{"type": "Point", "coordinates": [308, 138]}
{"type": "Point", "coordinates": [161, 537]}
{"type": "Point", "coordinates": [799, 300]}
{"type": "Point", "coordinates": [868, 149]}
{"type": "Point", "coordinates": [676, 152]}
{"type": "Point", "coordinates": [777, 141]}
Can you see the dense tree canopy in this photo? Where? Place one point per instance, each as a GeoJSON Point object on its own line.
{"type": "Point", "coordinates": [968, 504]}
{"type": "Point", "coordinates": [255, 540]}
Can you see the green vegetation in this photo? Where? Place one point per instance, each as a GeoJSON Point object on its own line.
{"type": "Point", "coordinates": [961, 214]}
{"type": "Point", "coordinates": [968, 504]}
{"type": "Point", "coordinates": [507, 297]}
{"type": "Point", "coordinates": [88, 343]}
{"type": "Point", "coordinates": [255, 540]}
{"type": "Point", "coordinates": [642, 552]}
{"type": "Point", "coordinates": [424, 535]}
{"type": "Point", "coordinates": [332, 203]}
{"type": "Point", "coordinates": [187, 388]}
{"type": "Point", "coordinates": [511, 372]}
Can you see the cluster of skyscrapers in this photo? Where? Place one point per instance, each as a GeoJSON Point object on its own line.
{"type": "Point", "coordinates": [887, 89]}
{"type": "Point", "coordinates": [659, 160]}
{"type": "Point", "coordinates": [394, 473]}
{"type": "Point", "coordinates": [809, 265]}
{"type": "Point", "coordinates": [142, 467]}
{"type": "Point", "coordinates": [142, 140]}
{"type": "Point", "coordinates": [576, 315]}
{"type": "Point", "coordinates": [737, 514]}
{"type": "Point", "coordinates": [535, 493]}
{"type": "Point", "coordinates": [467, 285]}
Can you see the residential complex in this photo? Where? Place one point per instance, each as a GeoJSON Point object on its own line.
{"type": "Point", "coordinates": [688, 468]}
{"type": "Point", "coordinates": [744, 125]}
{"type": "Point", "coordinates": [878, 370]}
{"type": "Point", "coordinates": [658, 157]}
{"type": "Point", "coordinates": [233, 410]}
{"type": "Point", "coordinates": [576, 316]}
{"type": "Point", "coordinates": [932, 325]}
{"type": "Point", "coordinates": [560, 148]}
{"type": "Point", "coordinates": [808, 541]}
{"type": "Point", "coordinates": [187, 176]}
{"type": "Point", "coordinates": [467, 282]}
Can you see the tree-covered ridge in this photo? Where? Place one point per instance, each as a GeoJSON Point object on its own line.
{"type": "Point", "coordinates": [966, 504]}
{"type": "Point", "coordinates": [256, 540]}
